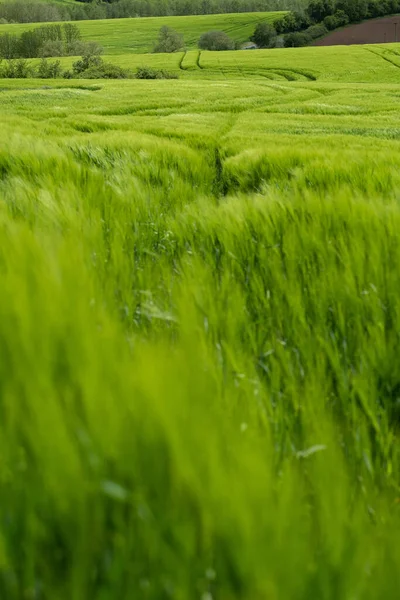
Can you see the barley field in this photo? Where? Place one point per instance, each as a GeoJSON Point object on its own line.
{"type": "Point", "coordinates": [336, 64]}
{"type": "Point", "coordinates": [199, 331]}
{"type": "Point", "coordinates": [139, 35]}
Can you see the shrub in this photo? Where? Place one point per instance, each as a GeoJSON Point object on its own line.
{"type": "Point", "coordinates": [77, 48]}
{"type": "Point", "coordinates": [72, 35]}
{"type": "Point", "coordinates": [80, 48]}
{"type": "Point", "coordinates": [169, 40]}
{"type": "Point", "coordinates": [150, 73]}
{"type": "Point", "coordinates": [46, 41]}
{"type": "Point", "coordinates": [264, 35]}
{"type": "Point", "coordinates": [339, 19]}
{"type": "Point", "coordinates": [216, 40]}
{"type": "Point", "coordinates": [316, 31]}
{"type": "Point", "coordinates": [291, 22]}
{"type": "Point", "coordinates": [105, 71]}
{"type": "Point", "coordinates": [8, 46]}
{"type": "Point", "coordinates": [90, 59]}
{"type": "Point", "coordinates": [49, 70]}
{"type": "Point", "coordinates": [296, 40]}
{"type": "Point", "coordinates": [317, 10]}
{"type": "Point", "coordinates": [85, 63]}
{"type": "Point", "coordinates": [16, 69]}
{"type": "Point", "coordinates": [356, 10]}
{"type": "Point", "coordinates": [52, 48]}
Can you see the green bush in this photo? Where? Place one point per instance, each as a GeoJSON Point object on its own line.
{"type": "Point", "coordinates": [316, 31]}
{"type": "Point", "coordinates": [296, 40]}
{"type": "Point", "coordinates": [45, 41]}
{"type": "Point", "coordinates": [264, 35]}
{"type": "Point", "coordinates": [105, 71]}
{"type": "Point", "coordinates": [52, 48]}
{"type": "Point", "coordinates": [49, 70]}
{"type": "Point", "coordinates": [292, 22]}
{"type": "Point", "coordinates": [317, 10]}
{"type": "Point", "coordinates": [16, 69]}
{"type": "Point", "coordinates": [339, 19]}
{"type": "Point", "coordinates": [169, 40]}
{"type": "Point", "coordinates": [216, 40]}
{"type": "Point", "coordinates": [149, 73]}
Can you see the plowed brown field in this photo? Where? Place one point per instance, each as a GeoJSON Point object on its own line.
{"type": "Point", "coordinates": [375, 31]}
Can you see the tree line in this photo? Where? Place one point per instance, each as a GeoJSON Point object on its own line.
{"type": "Point", "coordinates": [46, 41]}
{"type": "Point", "coordinates": [321, 16]}
{"type": "Point", "coordinates": [28, 11]}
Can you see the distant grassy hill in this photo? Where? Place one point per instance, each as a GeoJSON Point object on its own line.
{"type": "Point", "coordinates": [138, 36]}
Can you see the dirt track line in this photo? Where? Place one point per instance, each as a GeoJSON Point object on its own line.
{"type": "Point", "coordinates": [198, 60]}
{"type": "Point", "coordinates": [383, 57]}
{"type": "Point", "coordinates": [181, 61]}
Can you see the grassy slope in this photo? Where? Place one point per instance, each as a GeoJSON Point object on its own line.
{"type": "Point", "coordinates": [200, 307]}
{"type": "Point", "coordinates": [356, 64]}
{"type": "Point", "coordinates": [139, 35]}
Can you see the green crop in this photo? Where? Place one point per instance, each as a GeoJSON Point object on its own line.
{"type": "Point", "coordinates": [139, 35]}
{"type": "Point", "coordinates": [199, 331]}
{"type": "Point", "coordinates": [337, 64]}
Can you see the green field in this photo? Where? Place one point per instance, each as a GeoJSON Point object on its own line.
{"type": "Point", "coordinates": [360, 64]}
{"type": "Point", "coordinates": [199, 329]}
{"type": "Point", "coordinates": [119, 36]}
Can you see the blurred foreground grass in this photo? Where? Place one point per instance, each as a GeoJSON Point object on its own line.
{"type": "Point", "coordinates": [199, 332]}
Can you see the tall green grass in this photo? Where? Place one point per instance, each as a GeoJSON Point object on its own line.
{"type": "Point", "coordinates": [199, 317]}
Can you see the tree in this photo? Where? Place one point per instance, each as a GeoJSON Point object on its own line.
{"type": "Point", "coordinates": [216, 40]}
{"type": "Point", "coordinates": [339, 19]}
{"type": "Point", "coordinates": [30, 43]}
{"type": "Point", "coordinates": [264, 35]}
{"type": "Point", "coordinates": [296, 40]}
{"type": "Point", "coordinates": [356, 10]}
{"type": "Point", "coordinates": [317, 10]}
{"type": "Point", "coordinates": [293, 21]}
{"type": "Point", "coordinates": [9, 46]}
{"type": "Point", "coordinates": [51, 49]}
{"type": "Point", "coordinates": [72, 34]}
{"type": "Point", "coordinates": [169, 40]}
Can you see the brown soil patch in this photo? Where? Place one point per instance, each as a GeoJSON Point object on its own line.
{"type": "Point", "coordinates": [375, 31]}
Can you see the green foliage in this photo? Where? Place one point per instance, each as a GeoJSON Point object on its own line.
{"type": "Point", "coordinates": [51, 48]}
{"type": "Point", "coordinates": [291, 22]}
{"type": "Point", "coordinates": [316, 31]}
{"type": "Point", "coordinates": [216, 40]}
{"type": "Point", "coordinates": [169, 40]}
{"type": "Point", "coordinates": [49, 70]}
{"type": "Point", "coordinates": [16, 69]}
{"type": "Point", "coordinates": [33, 11]}
{"type": "Point", "coordinates": [150, 73]}
{"type": "Point", "coordinates": [49, 40]}
{"type": "Point", "coordinates": [296, 40]}
{"type": "Point", "coordinates": [356, 10]}
{"type": "Point", "coordinates": [264, 35]}
{"type": "Point", "coordinates": [8, 46]}
{"type": "Point", "coordinates": [331, 14]}
{"type": "Point", "coordinates": [92, 66]}
{"type": "Point", "coordinates": [104, 70]}
{"type": "Point", "coordinates": [317, 10]}
{"type": "Point", "coordinates": [338, 19]}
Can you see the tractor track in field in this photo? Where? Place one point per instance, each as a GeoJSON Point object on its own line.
{"type": "Point", "coordinates": [198, 60]}
{"type": "Point", "coordinates": [180, 63]}
{"type": "Point", "coordinates": [383, 57]}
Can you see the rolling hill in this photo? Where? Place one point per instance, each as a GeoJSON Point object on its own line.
{"type": "Point", "coordinates": [119, 36]}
